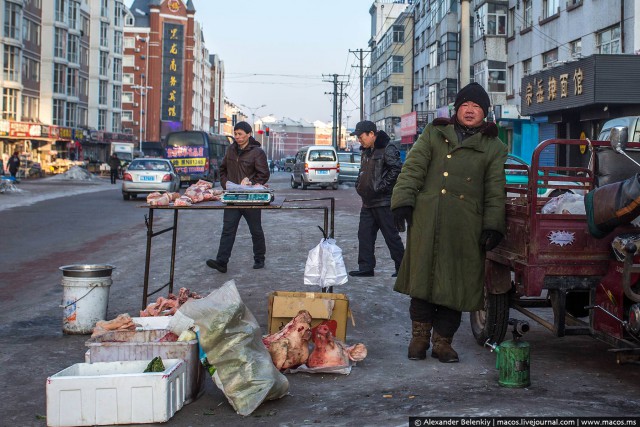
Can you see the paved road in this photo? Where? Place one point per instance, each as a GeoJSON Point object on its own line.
{"type": "Point", "coordinates": [572, 376]}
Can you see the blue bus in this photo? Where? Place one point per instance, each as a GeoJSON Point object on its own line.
{"type": "Point", "coordinates": [196, 154]}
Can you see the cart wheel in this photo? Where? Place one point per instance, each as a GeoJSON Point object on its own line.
{"type": "Point", "coordinates": [492, 322]}
{"type": "Point", "coordinates": [294, 184]}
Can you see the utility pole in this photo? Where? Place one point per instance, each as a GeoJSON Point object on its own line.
{"type": "Point", "coordinates": [361, 58]}
{"type": "Point", "coordinates": [342, 95]}
{"type": "Point", "coordinates": [465, 47]}
{"type": "Point", "coordinates": [334, 133]}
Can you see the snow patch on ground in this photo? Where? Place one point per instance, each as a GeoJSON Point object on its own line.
{"type": "Point", "coordinates": [67, 184]}
{"type": "Point", "coordinates": [76, 173]}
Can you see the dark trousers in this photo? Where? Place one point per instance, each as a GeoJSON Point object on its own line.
{"type": "Point", "coordinates": [230, 222]}
{"type": "Point", "coordinates": [372, 220]}
{"type": "Point", "coordinates": [445, 321]}
{"type": "Point", "coordinates": [114, 175]}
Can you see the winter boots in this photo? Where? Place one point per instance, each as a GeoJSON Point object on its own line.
{"type": "Point", "coordinates": [442, 349]}
{"type": "Point", "coordinates": [420, 334]}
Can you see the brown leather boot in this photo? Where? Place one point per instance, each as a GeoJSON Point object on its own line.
{"type": "Point", "coordinates": [442, 349]}
{"type": "Point", "coordinates": [420, 334]}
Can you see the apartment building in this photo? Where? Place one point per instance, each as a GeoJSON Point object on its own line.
{"type": "Point", "coordinates": [435, 65]}
{"type": "Point", "coordinates": [218, 118]}
{"type": "Point", "coordinates": [572, 65]}
{"type": "Point", "coordinates": [167, 68]}
{"type": "Point", "coordinates": [56, 53]}
{"type": "Point", "coordinates": [391, 69]}
{"type": "Point", "coordinates": [435, 50]}
{"type": "Point", "coordinates": [391, 75]}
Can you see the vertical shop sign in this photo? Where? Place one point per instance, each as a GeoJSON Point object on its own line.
{"type": "Point", "coordinates": [172, 72]}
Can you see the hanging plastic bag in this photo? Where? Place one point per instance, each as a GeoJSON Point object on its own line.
{"type": "Point", "coordinates": [325, 265]}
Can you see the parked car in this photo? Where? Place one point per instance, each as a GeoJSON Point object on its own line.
{"type": "Point", "coordinates": [287, 164]}
{"type": "Point", "coordinates": [519, 175]}
{"type": "Point", "coordinates": [349, 167]}
{"type": "Point", "coordinates": [146, 175]}
{"type": "Point", "coordinates": [315, 165]}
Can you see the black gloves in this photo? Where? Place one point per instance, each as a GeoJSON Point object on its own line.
{"type": "Point", "coordinates": [401, 215]}
{"type": "Point", "coordinates": [489, 239]}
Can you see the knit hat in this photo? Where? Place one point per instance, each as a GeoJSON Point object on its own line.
{"type": "Point", "coordinates": [246, 127]}
{"type": "Point", "coordinates": [475, 93]}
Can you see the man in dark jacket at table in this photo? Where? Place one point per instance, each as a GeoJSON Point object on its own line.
{"type": "Point", "coordinates": [380, 166]}
{"type": "Point", "coordinates": [244, 159]}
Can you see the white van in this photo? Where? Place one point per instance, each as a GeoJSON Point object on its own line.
{"type": "Point", "coordinates": [316, 165]}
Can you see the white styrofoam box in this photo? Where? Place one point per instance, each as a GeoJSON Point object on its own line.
{"type": "Point", "coordinates": [144, 345]}
{"type": "Point", "coordinates": [152, 322]}
{"type": "Point", "coordinates": [87, 394]}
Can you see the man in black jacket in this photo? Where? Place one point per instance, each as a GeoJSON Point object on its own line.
{"type": "Point", "coordinates": [380, 166]}
{"type": "Point", "coordinates": [244, 159]}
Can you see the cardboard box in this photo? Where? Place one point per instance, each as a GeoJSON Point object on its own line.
{"type": "Point", "coordinates": [107, 393]}
{"type": "Point", "coordinates": [143, 345]}
{"type": "Point", "coordinates": [284, 306]}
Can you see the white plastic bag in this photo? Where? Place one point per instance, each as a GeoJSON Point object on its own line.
{"type": "Point", "coordinates": [232, 340]}
{"type": "Point", "coordinates": [325, 265]}
{"type": "Point", "coordinates": [566, 203]}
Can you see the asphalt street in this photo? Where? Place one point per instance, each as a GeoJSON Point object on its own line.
{"type": "Point", "coordinates": [54, 223]}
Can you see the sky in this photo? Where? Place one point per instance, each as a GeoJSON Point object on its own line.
{"type": "Point", "coordinates": [277, 52]}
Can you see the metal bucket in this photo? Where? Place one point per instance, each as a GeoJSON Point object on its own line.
{"type": "Point", "coordinates": [86, 296]}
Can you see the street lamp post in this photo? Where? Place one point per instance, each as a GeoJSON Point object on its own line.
{"type": "Point", "coordinates": [253, 113]}
{"type": "Point", "coordinates": [143, 92]}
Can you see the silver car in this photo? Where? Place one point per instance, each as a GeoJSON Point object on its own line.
{"type": "Point", "coordinates": [144, 176]}
{"type": "Point", "coordinates": [349, 167]}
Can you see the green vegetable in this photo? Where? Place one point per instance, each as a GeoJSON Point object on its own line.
{"type": "Point", "coordinates": [155, 365]}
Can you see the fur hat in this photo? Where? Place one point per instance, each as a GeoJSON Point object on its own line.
{"type": "Point", "coordinates": [475, 93]}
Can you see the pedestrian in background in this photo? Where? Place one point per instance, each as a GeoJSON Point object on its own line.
{"type": "Point", "coordinates": [379, 168]}
{"type": "Point", "coordinates": [244, 159]}
{"type": "Point", "coordinates": [14, 164]}
{"type": "Point", "coordinates": [114, 164]}
{"type": "Point", "coordinates": [451, 195]}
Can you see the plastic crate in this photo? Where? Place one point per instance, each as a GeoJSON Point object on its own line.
{"type": "Point", "coordinates": [142, 345]}
{"type": "Point", "coordinates": [107, 393]}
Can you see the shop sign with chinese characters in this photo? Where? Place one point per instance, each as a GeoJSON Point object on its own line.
{"type": "Point", "coordinates": [594, 80]}
{"type": "Point", "coordinates": [557, 88]}
{"type": "Point", "coordinates": [172, 71]}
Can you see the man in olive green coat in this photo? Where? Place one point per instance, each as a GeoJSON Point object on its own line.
{"type": "Point", "coordinates": [451, 195]}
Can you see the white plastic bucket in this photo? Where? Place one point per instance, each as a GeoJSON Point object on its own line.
{"type": "Point", "coordinates": [86, 296]}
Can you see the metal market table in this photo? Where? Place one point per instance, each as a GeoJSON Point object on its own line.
{"type": "Point", "coordinates": [279, 203]}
